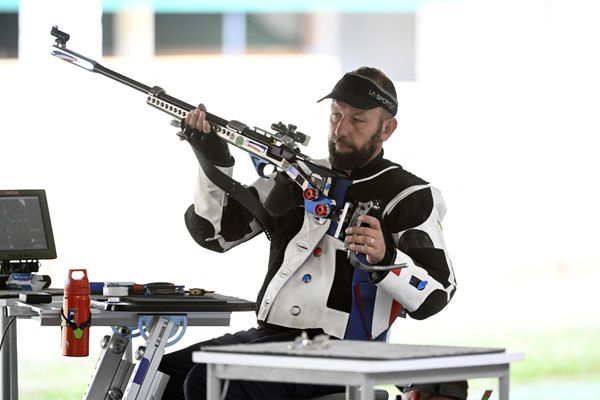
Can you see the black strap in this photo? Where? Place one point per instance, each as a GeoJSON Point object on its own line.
{"type": "Point", "coordinates": [234, 189]}
{"type": "Point", "coordinates": [73, 325]}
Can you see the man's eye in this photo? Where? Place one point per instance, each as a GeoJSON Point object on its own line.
{"type": "Point", "coordinates": [357, 120]}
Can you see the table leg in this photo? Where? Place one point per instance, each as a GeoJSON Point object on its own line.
{"type": "Point", "coordinates": [351, 392]}
{"type": "Point", "coordinates": [213, 386]}
{"type": "Point", "coordinates": [504, 384]}
{"type": "Point", "coordinates": [14, 364]}
{"type": "Point", "coordinates": [368, 392]}
{"type": "Point", "coordinates": [9, 367]}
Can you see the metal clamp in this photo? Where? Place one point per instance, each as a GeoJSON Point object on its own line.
{"type": "Point", "coordinates": [145, 323]}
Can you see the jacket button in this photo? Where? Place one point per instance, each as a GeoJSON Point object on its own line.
{"type": "Point", "coordinates": [317, 252]}
{"type": "Point", "coordinates": [295, 310]}
{"type": "Point", "coordinates": [306, 278]}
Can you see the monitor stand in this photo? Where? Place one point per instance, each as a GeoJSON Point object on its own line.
{"type": "Point", "coordinates": [7, 267]}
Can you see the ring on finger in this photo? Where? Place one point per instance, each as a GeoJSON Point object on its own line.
{"type": "Point", "coordinates": [372, 240]}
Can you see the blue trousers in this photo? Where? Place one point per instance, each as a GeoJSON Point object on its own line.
{"type": "Point", "coordinates": [188, 379]}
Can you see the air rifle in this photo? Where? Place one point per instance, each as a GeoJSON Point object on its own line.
{"type": "Point", "coordinates": [278, 148]}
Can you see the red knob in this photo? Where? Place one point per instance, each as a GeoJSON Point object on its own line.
{"type": "Point", "coordinates": [321, 210]}
{"type": "Point", "coordinates": [310, 194]}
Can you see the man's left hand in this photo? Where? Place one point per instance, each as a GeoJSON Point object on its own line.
{"type": "Point", "coordinates": [367, 239]}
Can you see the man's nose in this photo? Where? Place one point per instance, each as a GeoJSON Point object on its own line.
{"type": "Point", "coordinates": [341, 129]}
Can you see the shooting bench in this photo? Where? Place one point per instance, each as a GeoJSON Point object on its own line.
{"type": "Point", "coordinates": [160, 319]}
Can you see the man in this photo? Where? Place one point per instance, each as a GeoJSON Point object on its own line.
{"type": "Point", "coordinates": [310, 284]}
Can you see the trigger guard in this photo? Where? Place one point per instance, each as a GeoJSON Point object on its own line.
{"type": "Point", "coordinates": [260, 170]}
{"type": "Point", "coordinates": [259, 165]}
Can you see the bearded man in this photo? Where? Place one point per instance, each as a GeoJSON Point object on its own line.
{"type": "Point", "coordinates": [310, 284]}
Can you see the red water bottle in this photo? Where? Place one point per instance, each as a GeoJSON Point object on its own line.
{"type": "Point", "coordinates": [76, 316]}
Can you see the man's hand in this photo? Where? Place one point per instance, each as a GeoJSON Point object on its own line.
{"type": "Point", "coordinates": [367, 239]}
{"type": "Point", "coordinates": [197, 132]}
{"type": "Point", "coordinates": [196, 119]}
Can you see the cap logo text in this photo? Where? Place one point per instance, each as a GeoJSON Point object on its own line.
{"type": "Point", "coordinates": [378, 97]}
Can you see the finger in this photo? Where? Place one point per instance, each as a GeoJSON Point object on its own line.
{"type": "Point", "coordinates": [360, 248]}
{"type": "Point", "coordinates": [205, 127]}
{"type": "Point", "coordinates": [371, 223]}
{"type": "Point", "coordinates": [366, 240]}
{"type": "Point", "coordinates": [203, 124]}
{"type": "Point", "coordinates": [351, 240]}
{"type": "Point", "coordinates": [200, 121]}
{"type": "Point", "coordinates": [363, 230]}
{"type": "Point", "coordinates": [360, 242]}
{"type": "Point", "coordinates": [193, 118]}
{"type": "Point", "coordinates": [370, 220]}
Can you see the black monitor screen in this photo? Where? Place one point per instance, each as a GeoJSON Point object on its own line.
{"type": "Point", "coordinates": [25, 229]}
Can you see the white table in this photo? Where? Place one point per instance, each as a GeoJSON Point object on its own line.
{"type": "Point", "coordinates": [388, 364]}
{"type": "Point", "coordinates": [124, 315]}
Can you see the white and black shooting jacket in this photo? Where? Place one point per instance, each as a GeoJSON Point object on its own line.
{"type": "Point", "coordinates": [309, 281]}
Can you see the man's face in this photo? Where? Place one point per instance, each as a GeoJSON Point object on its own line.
{"type": "Point", "coordinates": [355, 135]}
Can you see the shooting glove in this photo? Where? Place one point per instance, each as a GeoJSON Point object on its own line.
{"type": "Point", "coordinates": [210, 145]}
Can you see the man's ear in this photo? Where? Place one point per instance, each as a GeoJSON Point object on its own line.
{"type": "Point", "coordinates": [389, 126]}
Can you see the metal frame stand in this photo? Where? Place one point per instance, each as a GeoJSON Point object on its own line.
{"type": "Point", "coordinates": [115, 377]}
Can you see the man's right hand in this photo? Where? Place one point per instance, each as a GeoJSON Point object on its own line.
{"type": "Point", "coordinates": [198, 133]}
{"type": "Point", "coordinates": [196, 119]}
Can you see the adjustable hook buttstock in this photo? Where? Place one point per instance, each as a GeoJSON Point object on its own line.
{"type": "Point", "coordinates": [359, 260]}
{"type": "Point", "coordinates": [61, 37]}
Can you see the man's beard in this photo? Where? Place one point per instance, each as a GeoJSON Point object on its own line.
{"type": "Point", "coordinates": [354, 158]}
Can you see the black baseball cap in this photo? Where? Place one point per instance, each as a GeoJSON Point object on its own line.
{"type": "Point", "coordinates": [361, 92]}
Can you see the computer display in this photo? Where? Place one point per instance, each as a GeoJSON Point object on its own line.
{"type": "Point", "coordinates": [25, 228]}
